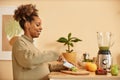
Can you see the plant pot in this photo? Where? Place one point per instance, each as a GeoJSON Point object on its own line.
{"type": "Point", "coordinates": [71, 57]}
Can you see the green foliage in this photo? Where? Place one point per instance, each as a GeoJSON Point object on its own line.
{"type": "Point", "coordinates": [69, 41]}
{"type": "Point", "coordinates": [12, 28]}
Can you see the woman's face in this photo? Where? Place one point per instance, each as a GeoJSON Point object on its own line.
{"type": "Point", "coordinates": [35, 27]}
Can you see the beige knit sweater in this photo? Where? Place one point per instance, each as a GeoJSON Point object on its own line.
{"type": "Point", "coordinates": [28, 62]}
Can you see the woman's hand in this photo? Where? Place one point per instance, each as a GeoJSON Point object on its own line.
{"type": "Point", "coordinates": [61, 58]}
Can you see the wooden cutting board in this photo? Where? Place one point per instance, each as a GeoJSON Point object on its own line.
{"type": "Point", "coordinates": [80, 72]}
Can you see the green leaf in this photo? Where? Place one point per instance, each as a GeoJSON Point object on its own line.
{"type": "Point", "coordinates": [71, 44]}
{"type": "Point", "coordinates": [71, 50]}
{"type": "Point", "coordinates": [66, 43]}
{"type": "Point", "coordinates": [69, 41]}
{"type": "Point", "coordinates": [62, 40]}
{"type": "Point", "coordinates": [74, 39]}
{"type": "Point", "coordinates": [69, 35]}
{"type": "Point", "coordinates": [67, 50]}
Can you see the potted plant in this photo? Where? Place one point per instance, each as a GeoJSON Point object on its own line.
{"type": "Point", "coordinates": [69, 55]}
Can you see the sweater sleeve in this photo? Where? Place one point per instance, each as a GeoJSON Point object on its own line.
{"type": "Point", "coordinates": [29, 57]}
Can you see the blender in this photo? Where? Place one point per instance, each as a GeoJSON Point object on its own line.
{"type": "Point", "coordinates": [104, 58]}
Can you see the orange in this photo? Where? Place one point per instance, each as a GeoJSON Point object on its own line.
{"type": "Point", "coordinates": [87, 64]}
{"type": "Point", "coordinates": [91, 66]}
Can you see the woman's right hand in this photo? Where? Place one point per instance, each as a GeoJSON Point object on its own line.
{"type": "Point", "coordinates": [61, 58]}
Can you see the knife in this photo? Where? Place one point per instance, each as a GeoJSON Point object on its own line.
{"type": "Point", "coordinates": [67, 64]}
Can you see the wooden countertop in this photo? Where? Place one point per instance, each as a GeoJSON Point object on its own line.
{"type": "Point", "coordinates": [91, 76]}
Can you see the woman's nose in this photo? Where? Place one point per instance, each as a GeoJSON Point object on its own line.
{"type": "Point", "coordinates": [40, 28]}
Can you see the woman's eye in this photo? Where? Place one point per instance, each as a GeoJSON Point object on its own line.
{"type": "Point", "coordinates": [37, 24]}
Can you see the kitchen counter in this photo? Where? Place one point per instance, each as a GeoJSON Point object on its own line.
{"type": "Point", "coordinates": [91, 76]}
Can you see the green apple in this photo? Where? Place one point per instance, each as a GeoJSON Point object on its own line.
{"type": "Point", "coordinates": [114, 70]}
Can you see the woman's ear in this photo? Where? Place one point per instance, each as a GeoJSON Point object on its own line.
{"type": "Point", "coordinates": [27, 25]}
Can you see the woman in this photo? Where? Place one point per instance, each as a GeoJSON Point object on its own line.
{"type": "Point", "coordinates": [28, 62]}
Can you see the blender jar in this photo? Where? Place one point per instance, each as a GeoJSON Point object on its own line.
{"type": "Point", "coordinates": [104, 59]}
{"type": "Point", "coordinates": [104, 40]}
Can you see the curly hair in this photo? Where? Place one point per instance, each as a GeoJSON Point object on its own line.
{"type": "Point", "coordinates": [25, 13]}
